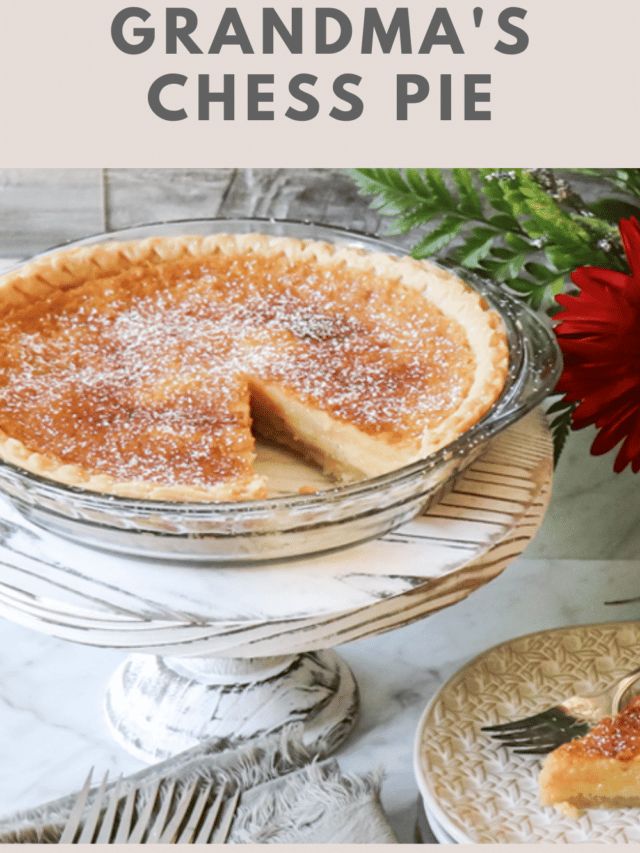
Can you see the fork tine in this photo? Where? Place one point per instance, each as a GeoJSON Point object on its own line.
{"type": "Point", "coordinates": [549, 739]}
{"type": "Point", "coordinates": [540, 750]}
{"type": "Point", "coordinates": [521, 730]}
{"type": "Point", "coordinates": [209, 822]}
{"type": "Point", "coordinates": [171, 829]}
{"type": "Point", "coordinates": [221, 832]}
{"type": "Point", "coordinates": [524, 722]}
{"type": "Point", "coordinates": [142, 823]}
{"type": "Point", "coordinates": [91, 820]}
{"type": "Point", "coordinates": [124, 824]}
{"type": "Point", "coordinates": [196, 814]}
{"type": "Point", "coordinates": [528, 734]}
{"type": "Point", "coordinates": [557, 730]}
{"type": "Point", "coordinates": [158, 825]}
{"type": "Point", "coordinates": [106, 827]}
{"type": "Point", "coordinates": [73, 821]}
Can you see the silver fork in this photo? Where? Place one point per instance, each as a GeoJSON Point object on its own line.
{"type": "Point", "coordinates": [187, 821]}
{"type": "Point", "coordinates": [573, 717]}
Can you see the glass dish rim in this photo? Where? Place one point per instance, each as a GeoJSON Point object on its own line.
{"type": "Point", "coordinates": [505, 303]}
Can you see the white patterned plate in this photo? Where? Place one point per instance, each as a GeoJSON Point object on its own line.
{"type": "Point", "coordinates": [478, 791]}
{"type": "Point", "coordinates": [428, 830]}
{"type": "Point", "coordinates": [439, 833]}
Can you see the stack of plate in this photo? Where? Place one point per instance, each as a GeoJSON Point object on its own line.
{"type": "Point", "coordinates": [428, 830]}
{"type": "Point", "coordinates": [476, 791]}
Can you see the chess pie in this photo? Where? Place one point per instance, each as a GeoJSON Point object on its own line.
{"type": "Point", "coordinates": [144, 369]}
{"type": "Point", "coordinates": [599, 770]}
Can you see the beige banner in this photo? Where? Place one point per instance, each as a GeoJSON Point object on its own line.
{"type": "Point", "coordinates": [70, 97]}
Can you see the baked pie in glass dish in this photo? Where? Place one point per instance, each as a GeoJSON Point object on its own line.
{"type": "Point", "coordinates": [138, 367]}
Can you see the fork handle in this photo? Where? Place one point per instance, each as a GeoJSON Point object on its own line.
{"type": "Point", "coordinates": [622, 688]}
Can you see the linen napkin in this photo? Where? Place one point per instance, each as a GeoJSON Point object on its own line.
{"type": "Point", "coordinates": [287, 795]}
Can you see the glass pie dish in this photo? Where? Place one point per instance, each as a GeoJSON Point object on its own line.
{"type": "Point", "coordinates": [290, 525]}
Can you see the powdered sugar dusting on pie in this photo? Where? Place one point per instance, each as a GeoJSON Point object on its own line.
{"type": "Point", "coordinates": [149, 375]}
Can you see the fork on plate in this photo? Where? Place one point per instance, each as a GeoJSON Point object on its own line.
{"type": "Point", "coordinates": [573, 717]}
{"type": "Point", "coordinates": [148, 814]}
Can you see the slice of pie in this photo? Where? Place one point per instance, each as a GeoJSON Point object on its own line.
{"type": "Point", "coordinates": [144, 369]}
{"type": "Point", "coordinates": [599, 770]}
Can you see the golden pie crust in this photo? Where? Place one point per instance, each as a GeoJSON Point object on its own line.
{"type": "Point", "coordinates": [599, 770]}
{"type": "Point", "coordinates": [140, 369]}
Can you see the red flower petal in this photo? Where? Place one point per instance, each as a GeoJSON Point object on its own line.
{"type": "Point", "coordinates": [599, 335]}
{"type": "Point", "coordinates": [611, 435]}
{"type": "Point", "coordinates": [630, 232]}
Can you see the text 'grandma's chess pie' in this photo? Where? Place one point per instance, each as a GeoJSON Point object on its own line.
{"type": "Point", "coordinates": [144, 368]}
{"type": "Point", "coordinates": [599, 770]}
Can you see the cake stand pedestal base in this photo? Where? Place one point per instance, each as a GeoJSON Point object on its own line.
{"type": "Point", "coordinates": [157, 707]}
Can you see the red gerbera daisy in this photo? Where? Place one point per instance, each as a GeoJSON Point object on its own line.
{"type": "Point", "coordinates": [599, 334]}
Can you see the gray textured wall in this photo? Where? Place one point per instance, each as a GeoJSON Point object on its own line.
{"type": "Point", "coordinates": [40, 208]}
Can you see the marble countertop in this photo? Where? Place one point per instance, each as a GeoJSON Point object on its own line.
{"type": "Point", "coordinates": [586, 556]}
{"type": "Point", "coordinates": [51, 692]}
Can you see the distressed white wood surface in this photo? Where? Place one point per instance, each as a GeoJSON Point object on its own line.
{"type": "Point", "coordinates": [158, 707]}
{"type": "Point", "coordinates": [102, 599]}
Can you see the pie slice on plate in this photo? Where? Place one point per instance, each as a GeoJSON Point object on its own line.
{"type": "Point", "coordinates": [598, 771]}
{"type": "Point", "coordinates": [144, 368]}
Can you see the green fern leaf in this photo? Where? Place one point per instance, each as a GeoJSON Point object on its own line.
{"type": "Point", "coordinates": [519, 244]}
{"type": "Point", "coordinates": [439, 238]}
{"type": "Point", "coordinates": [560, 425]}
{"type": "Point", "coordinates": [509, 268]}
{"type": "Point", "coordinates": [545, 218]}
{"type": "Point", "coordinates": [476, 248]}
{"type": "Point", "coordinates": [470, 202]}
{"type": "Point", "coordinates": [436, 182]}
{"type": "Point", "coordinates": [416, 180]}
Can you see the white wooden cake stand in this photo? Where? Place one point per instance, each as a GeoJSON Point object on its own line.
{"type": "Point", "coordinates": [231, 653]}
